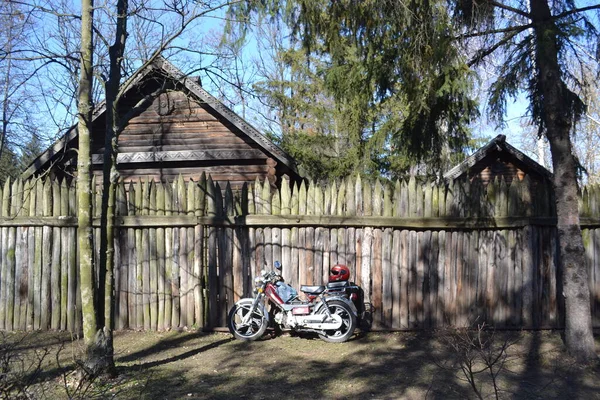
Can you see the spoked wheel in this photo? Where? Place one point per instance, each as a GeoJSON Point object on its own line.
{"type": "Point", "coordinates": [252, 329]}
{"type": "Point", "coordinates": [345, 331]}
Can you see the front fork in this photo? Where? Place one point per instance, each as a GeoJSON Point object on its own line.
{"type": "Point", "coordinates": [248, 316]}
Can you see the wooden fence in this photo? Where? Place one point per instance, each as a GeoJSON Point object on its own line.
{"type": "Point", "coordinates": [426, 254]}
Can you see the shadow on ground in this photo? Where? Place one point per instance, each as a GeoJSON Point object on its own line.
{"type": "Point", "coordinates": [194, 365]}
{"type": "Point", "coordinates": [382, 366]}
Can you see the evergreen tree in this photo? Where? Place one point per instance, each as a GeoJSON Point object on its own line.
{"type": "Point", "coordinates": [8, 165]}
{"type": "Point", "coordinates": [340, 115]}
{"type": "Point", "coordinates": [29, 152]}
{"type": "Point", "coordinates": [407, 53]}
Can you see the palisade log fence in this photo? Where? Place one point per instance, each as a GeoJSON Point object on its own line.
{"type": "Point", "coordinates": [426, 254]}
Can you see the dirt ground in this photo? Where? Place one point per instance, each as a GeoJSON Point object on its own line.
{"type": "Point", "coordinates": [194, 365]}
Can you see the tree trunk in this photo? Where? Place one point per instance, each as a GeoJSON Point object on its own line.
{"type": "Point", "coordinates": [110, 180]}
{"type": "Point", "coordinates": [96, 360]}
{"type": "Point", "coordinates": [557, 117]}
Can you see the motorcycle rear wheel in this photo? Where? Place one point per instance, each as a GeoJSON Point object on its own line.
{"type": "Point", "coordinates": [344, 332]}
{"type": "Point", "coordinates": [254, 330]}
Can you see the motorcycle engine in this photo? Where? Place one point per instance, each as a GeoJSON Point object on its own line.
{"type": "Point", "coordinates": [280, 319]}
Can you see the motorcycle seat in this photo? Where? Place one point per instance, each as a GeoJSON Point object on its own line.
{"type": "Point", "coordinates": [312, 289]}
{"type": "Point", "coordinates": [337, 285]}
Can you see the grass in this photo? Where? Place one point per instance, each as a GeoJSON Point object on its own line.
{"type": "Point", "coordinates": [194, 365]}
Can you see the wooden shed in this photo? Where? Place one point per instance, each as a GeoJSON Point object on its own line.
{"type": "Point", "coordinates": [498, 159]}
{"type": "Point", "coordinates": [181, 129]}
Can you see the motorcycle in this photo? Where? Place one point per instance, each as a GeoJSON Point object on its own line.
{"type": "Point", "coordinates": [328, 313]}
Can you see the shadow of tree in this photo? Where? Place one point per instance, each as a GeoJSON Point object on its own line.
{"type": "Point", "coordinates": [383, 366]}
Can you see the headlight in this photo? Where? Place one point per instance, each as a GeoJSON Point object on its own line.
{"type": "Point", "coordinates": [258, 280]}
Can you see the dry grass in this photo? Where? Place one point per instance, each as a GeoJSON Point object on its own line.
{"type": "Point", "coordinates": [194, 365]}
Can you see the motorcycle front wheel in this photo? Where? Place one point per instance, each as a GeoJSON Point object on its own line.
{"type": "Point", "coordinates": [345, 331]}
{"type": "Point", "coordinates": [255, 327]}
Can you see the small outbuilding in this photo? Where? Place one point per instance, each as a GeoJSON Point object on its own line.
{"type": "Point", "coordinates": [180, 130]}
{"type": "Point", "coordinates": [498, 159]}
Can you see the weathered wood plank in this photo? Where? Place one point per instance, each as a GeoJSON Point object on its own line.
{"type": "Point", "coordinates": [276, 231]}
{"type": "Point", "coordinates": [9, 278]}
{"type": "Point", "coordinates": [309, 252]}
{"type": "Point", "coordinates": [510, 279]}
{"type": "Point", "coordinates": [190, 244]}
{"type": "Point", "coordinates": [363, 202]}
{"type": "Point", "coordinates": [16, 205]}
{"type": "Point", "coordinates": [64, 258]}
{"type": "Point", "coordinates": [131, 255]}
{"type": "Point", "coordinates": [55, 269]}
{"type": "Point", "coordinates": [37, 278]}
{"type": "Point", "coordinates": [518, 280]}
{"type": "Point", "coordinates": [22, 283]}
{"type": "Point", "coordinates": [246, 242]}
{"type": "Point", "coordinates": [226, 259]}
{"type": "Point", "coordinates": [213, 312]}
{"type": "Point", "coordinates": [46, 273]}
{"type": "Point", "coordinates": [286, 233]}
{"type": "Point", "coordinates": [169, 282]}
{"type": "Point", "coordinates": [268, 244]}
{"type": "Point", "coordinates": [183, 255]}
{"type": "Point", "coordinates": [320, 274]}
{"type": "Point", "coordinates": [377, 284]}
{"type": "Point", "coordinates": [139, 257]}
{"type": "Point", "coordinates": [73, 321]}
{"type": "Point", "coordinates": [199, 302]}
{"type": "Point", "coordinates": [160, 257]}
{"type": "Point", "coordinates": [386, 262]}
{"type": "Point", "coordinates": [146, 249]}
{"type": "Point", "coordinates": [121, 260]}
{"type": "Point", "coordinates": [153, 259]}
{"type": "Point", "coordinates": [301, 239]}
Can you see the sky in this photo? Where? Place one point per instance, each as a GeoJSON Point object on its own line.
{"type": "Point", "coordinates": [210, 27]}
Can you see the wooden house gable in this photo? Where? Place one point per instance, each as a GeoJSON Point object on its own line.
{"type": "Point", "coordinates": [177, 134]}
{"type": "Point", "coordinates": [181, 131]}
{"type": "Point", "coordinates": [498, 160]}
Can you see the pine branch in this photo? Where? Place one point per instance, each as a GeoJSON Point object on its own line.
{"type": "Point", "coordinates": [517, 29]}
{"type": "Point", "coordinates": [509, 8]}
{"type": "Point", "coordinates": [486, 52]}
{"type": "Point", "coordinates": [576, 11]}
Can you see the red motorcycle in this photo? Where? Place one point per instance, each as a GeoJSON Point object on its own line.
{"type": "Point", "coordinates": [327, 312]}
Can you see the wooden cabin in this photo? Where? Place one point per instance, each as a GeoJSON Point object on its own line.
{"type": "Point", "coordinates": [498, 159]}
{"type": "Point", "coordinates": [179, 129]}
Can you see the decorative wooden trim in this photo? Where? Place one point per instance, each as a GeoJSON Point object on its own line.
{"type": "Point", "coordinates": [184, 155]}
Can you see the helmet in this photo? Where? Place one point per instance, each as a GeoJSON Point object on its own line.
{"type": "Point", "coordinates": [339, 273]}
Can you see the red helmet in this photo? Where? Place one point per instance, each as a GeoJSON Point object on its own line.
{"type": "Point", "coordinates": [339, 273]}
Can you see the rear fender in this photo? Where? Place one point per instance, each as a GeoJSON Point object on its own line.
{"type": "Point", "coordinates": [321, 305]}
